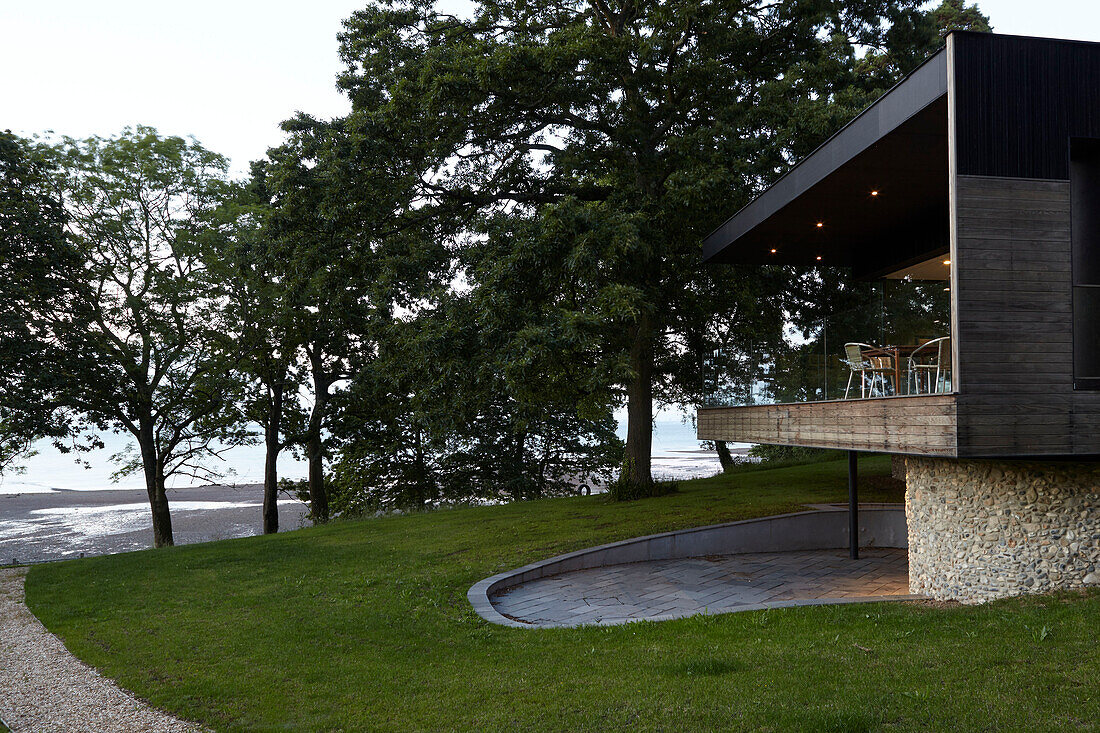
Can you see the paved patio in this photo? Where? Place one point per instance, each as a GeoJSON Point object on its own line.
{"type": "Point", "coordinates": [666, 589]}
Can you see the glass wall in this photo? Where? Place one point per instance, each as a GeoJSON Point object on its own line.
{"type": "Point", "coordinates": [894, 341]}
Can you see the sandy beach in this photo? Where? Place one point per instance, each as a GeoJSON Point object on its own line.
{"type": "Point", "coordinates": [65, 524]}
{"type": "Point", "coordinates": [40, 520]}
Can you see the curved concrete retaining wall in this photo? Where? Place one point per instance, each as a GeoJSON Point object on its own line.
{"type": "Point", "coordinates": [816, 530]}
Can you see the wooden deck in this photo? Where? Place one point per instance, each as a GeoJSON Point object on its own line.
{"type": "Point", "coordinates": [921, 425]}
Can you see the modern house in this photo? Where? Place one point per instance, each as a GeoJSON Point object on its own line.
{"type": "Point", "coordinates": [979, 175]}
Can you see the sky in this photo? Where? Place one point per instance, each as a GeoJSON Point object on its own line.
{"type": "Point", "coordinates": [229, 71]}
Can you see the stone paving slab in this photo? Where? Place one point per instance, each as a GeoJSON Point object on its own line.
{"type": "Point", "coordinates": [718, 584]}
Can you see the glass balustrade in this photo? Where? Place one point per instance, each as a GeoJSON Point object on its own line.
{"type": "Point", "coordinates": [894, 341]}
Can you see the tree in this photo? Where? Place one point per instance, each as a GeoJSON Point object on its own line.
{"type": "Point", "coordinates": [350, 255]}
{"type": "Point", "coordinates": [445, 416]}
{"type": "Point", "coordinates": [953, 15]}
{"type": "Point", "coordinates": [526, 365]}
{"type": "Point", "coordinates": [244, 257]}
{"type": "Point", "coordinates": [915, 35]}
{"type": "Point", "coordinates": [36, 266]}
{"type": "Point", "coordinates": [319, 271]}
{"type": "Point", "coordinates": [626, 131]}
{"type": "Point", "coordinates": [149, 357]}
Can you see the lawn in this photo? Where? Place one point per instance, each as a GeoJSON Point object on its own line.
{"type": "Point", "coordinates": [365, 625]}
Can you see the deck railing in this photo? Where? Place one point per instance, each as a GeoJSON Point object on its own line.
{"type": "Point", "coordinates": [811, 365]}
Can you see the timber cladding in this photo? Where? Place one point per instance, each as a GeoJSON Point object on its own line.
{"type": "Point", "coordinates": [1014, 315]}
{"type": "Point", "coordinates": [924, 425]}
{"type": "Point", "coordinates": [1019, 100]}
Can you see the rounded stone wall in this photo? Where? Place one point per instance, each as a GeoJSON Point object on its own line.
{"type": "Point", "coordinates": [980, 530]}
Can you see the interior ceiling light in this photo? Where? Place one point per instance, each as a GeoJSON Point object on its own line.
{"type": "Point", "coordinates": [819, 258]}
{"type": "Point", "coordinates": [874, 193]}
{"type": "Point", "coordinates": [773, 251]}
{"type": "Point", "coordinates": [820, 224]}
{"type": "Point", "coordinates": [947, 262]}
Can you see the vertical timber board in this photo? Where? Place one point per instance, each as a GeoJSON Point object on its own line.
{"type": "Point", "coordinates": [1014, 314]}
{"type": "Point", "coordinates": [957, 378]}
{"type": "Point", "coordinates": [1017, 101]}
{"type": "Point", "coordinates": [910, 425]}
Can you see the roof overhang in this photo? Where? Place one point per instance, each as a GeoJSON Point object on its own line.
{"type": "Point", "coordinates": [873, 197]}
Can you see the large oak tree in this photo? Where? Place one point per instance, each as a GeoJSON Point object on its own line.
{"type": "Point", "coordinates": [626, 130]}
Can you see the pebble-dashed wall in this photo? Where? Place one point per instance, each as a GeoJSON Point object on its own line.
{"type": "Point", "coordinates": [980, 530]}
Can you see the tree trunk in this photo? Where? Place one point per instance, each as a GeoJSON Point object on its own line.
{"type": "Point", "coordinates": [318, 494]}
{"type": "Point", "coordinates": [724, 456]}
{"type": "Point", "coordinates": [271, 461]}
{"type": "Point", "coordinates": [637, 476]}
{"type": "Point", "coordinates": [419, 490]}
{"type": "Point", "coordinates": [162, 519]}
{"type": "Point", "coordinates": [522, 486]}
{"type": "Point", "coordinates": [154, 485]}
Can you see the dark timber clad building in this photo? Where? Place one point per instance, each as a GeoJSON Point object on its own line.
{"type": "Point", "coordinates": [984, 165]}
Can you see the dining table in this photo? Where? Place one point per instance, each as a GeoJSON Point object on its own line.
{"type": "Point", "coordinates": [897, 353]}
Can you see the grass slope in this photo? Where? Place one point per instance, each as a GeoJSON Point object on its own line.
{"type": "Point", "coordinates": [365, 625]}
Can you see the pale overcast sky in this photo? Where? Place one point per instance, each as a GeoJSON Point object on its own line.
{"type": "Point", "coordinates": [228, 71]}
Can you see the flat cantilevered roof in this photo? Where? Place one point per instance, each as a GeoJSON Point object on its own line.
{"type": "Point", "coordinates": [873, 196]}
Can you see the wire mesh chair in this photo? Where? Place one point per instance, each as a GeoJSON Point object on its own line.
{"type": "Point", "coordinates": [930, 367]}
{"type": "Point", "coordinates": [872, 370]}
{"type": "Point", "coordinates": [882, 374]}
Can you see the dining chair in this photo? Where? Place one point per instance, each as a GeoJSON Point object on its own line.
{"type": "Point", "coordinates": [871, 369]}
{"type": "Point", "coordinates": [882, 373]}
{"type": "Point", "coordinates": [930, 367]}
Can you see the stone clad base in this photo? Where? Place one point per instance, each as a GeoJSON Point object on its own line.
{"type": "Point", "coordinates": [980, 530]}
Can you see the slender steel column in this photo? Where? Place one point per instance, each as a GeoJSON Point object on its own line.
{"type": "Point", "coordinates": [853, 506]}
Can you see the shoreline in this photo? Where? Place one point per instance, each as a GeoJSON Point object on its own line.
{"type": "Point", "coordinates": [676, 458]}
{"type": "Point", "coordinates": [59, 490]}
{"type": "Point", "coordinates": [59, 525]}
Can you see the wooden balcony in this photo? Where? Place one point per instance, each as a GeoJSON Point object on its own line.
{"type": "Point", "coordinates": [918, 425]}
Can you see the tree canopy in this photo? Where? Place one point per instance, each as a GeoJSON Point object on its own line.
{"type": "Point", "coordinates": [36, 266]}
{"type": "Point", "coordinates": [604, 139]}
{"type": "Point", "coordinates": [148, 355]}
{"type": "Point", "coordinates": [450, 291]}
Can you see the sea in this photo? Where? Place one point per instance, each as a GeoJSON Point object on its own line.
{"type": "Point", "coordinates": [57, 508]}
{"type": "Point", "coordinates": [677, 454]}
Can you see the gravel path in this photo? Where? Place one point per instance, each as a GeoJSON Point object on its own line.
{"type": "Point", "coordinates": [45, 688]}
